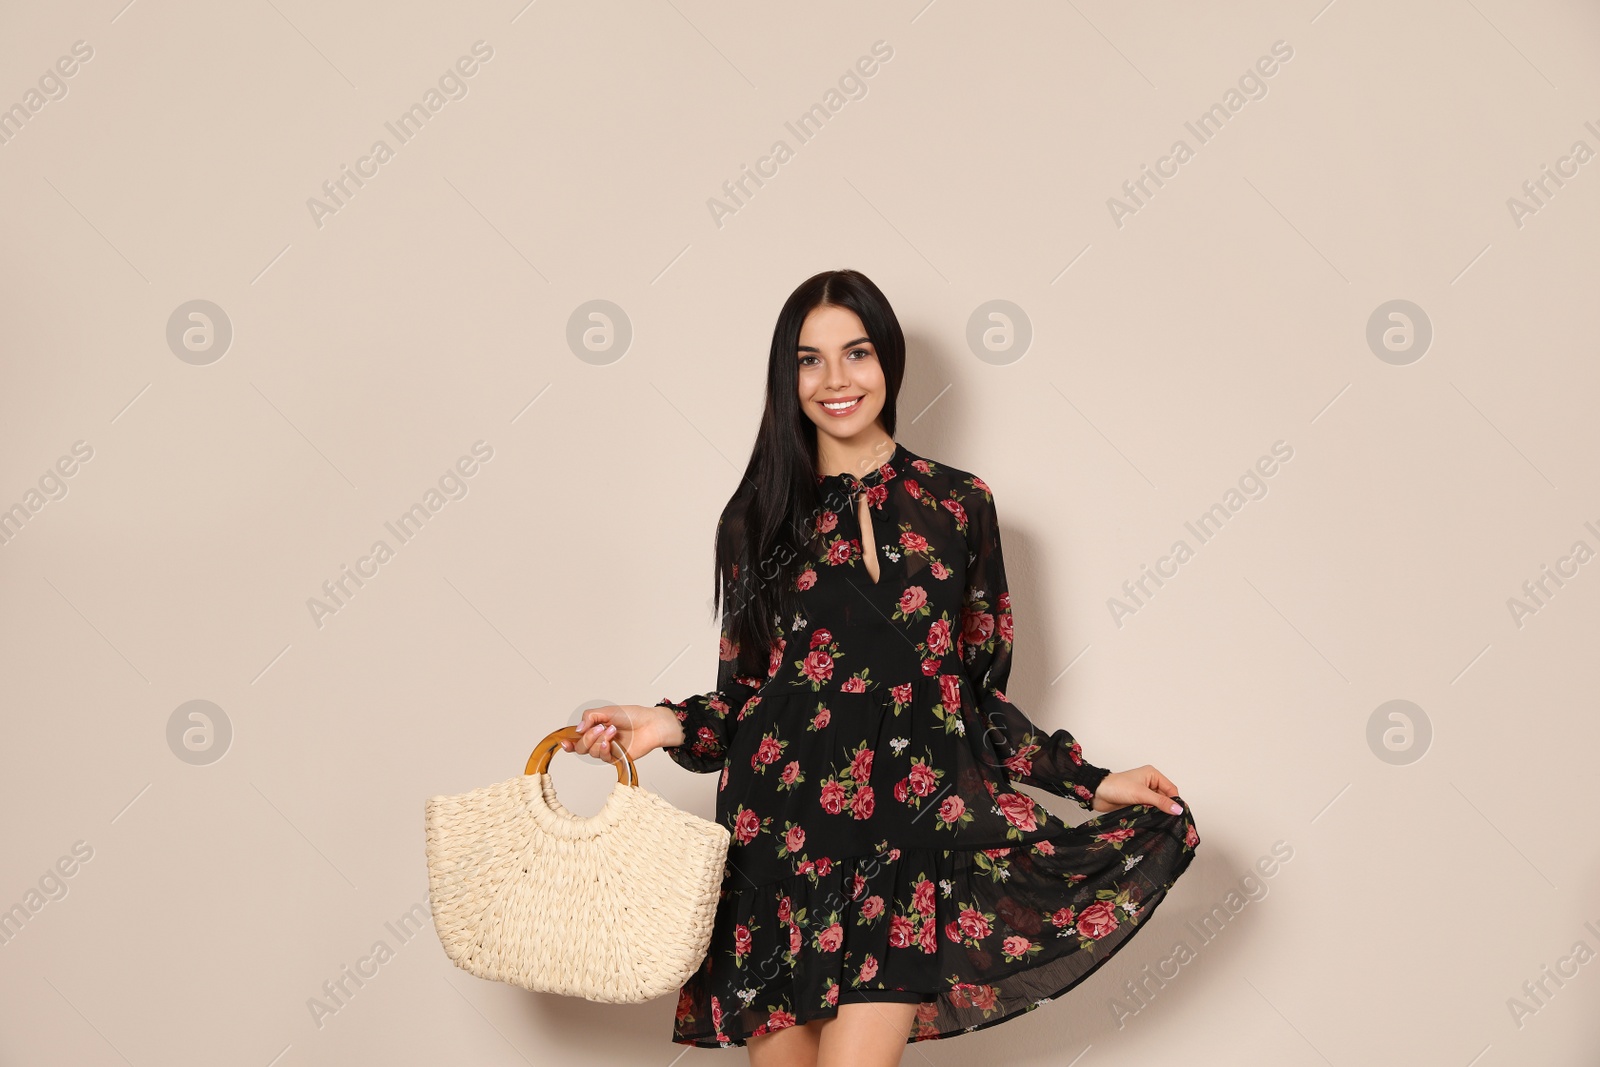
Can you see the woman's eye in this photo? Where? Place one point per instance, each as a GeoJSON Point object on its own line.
{"type": "Point", "coordinates": [862, 352]}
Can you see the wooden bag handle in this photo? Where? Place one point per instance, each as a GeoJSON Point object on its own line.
{"type": "Point", "coordinates": [539, 761]}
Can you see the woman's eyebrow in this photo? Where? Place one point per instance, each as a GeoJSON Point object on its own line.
{"type": "Point", "coordinates": [847, 344]}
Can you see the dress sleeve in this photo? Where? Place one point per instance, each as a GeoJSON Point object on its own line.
{"type": "Point", "coordinates": [709, 718]}
{"type": "Point", "coordinates": [1050, 761]}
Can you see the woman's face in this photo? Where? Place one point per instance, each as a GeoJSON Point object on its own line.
{"type": "Point", "coordinates": [838, 364]}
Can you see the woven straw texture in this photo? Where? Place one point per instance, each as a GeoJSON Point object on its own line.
{"type": "Point", "coordinates": [615, 908]}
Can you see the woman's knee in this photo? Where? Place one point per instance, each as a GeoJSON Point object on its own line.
{"type": "Point", "coordinates": [866, 1035]}
{"type": "Point", "coordinates": [792, 1046]}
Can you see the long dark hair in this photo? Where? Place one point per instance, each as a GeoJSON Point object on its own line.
{"type": "Point", "coordinates": [769, 524]}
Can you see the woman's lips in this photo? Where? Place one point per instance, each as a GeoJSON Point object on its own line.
{"type": "Point", "coordinates": [840, 413]}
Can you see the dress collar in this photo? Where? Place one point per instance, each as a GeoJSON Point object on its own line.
{"type": "Point", "coordinates": [890, 468]}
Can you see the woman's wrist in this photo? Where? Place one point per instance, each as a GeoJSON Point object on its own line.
{"type": "Point", "coordinates": [663, 730]}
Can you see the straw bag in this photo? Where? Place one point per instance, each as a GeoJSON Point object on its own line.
{"type": "Point", "coordinates": [614, 908]}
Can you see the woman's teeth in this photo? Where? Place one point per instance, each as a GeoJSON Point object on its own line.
{"type": "Point", "coordinates": [841, 407]}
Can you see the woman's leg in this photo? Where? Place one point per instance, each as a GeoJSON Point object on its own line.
{"type": "Point", "coordinates": [793, 1046]}
{"type": "Point", "coordinates": [865, 1035]}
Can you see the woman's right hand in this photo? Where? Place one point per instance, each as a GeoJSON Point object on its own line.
{"type": "Point", "coordinates": [636, 728]}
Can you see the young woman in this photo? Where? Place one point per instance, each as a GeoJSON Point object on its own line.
{"type": "Point", "coordinates": [885, 883]}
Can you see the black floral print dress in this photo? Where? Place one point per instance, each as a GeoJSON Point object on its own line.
{"type": "Point", "coordinates": [878, 842]}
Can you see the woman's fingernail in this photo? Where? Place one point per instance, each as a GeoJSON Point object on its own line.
{"type": "Point", "coordinates": [1177, 809]}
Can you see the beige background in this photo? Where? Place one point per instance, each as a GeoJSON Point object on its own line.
{"type": "Point", "coordinates": [1168, 354]}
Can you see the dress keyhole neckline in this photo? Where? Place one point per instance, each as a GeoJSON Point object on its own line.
{"type": "Point", "coordinates": [869, 541]}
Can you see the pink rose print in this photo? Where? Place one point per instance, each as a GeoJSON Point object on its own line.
{"type": "Point", "coordinates": [872, 908]}
{"type": "Point", "coordinates": [939, 638]}
{"type": "Point", "coordinates": [913, 599]}
{"type": "Point", "coordinates": [1097, 920]}
{"type": "Point", "coordinates": [861, 804]}
{"type": "Point", "coordinates": [1115, 837]}
{"type": "Point", "coordinates": [1018, 810]}
{"type": "Point", "coordinates": [901, 789]}
{"type": "Point", "coordinates": [950, 690]}
{"type": "Point", "coordinates": [972, 924]}
{"type": "Point", "coordinates": [955, 508]}
{"type": "Point", "coordinates": [922, 897]}
{"type": "Point", "coordinates": [824, 865]}
{"type": "Point", "coordinates": [769, 751]}
{"type": "Point", "coordinates": [861, 766]}
{"type": "Point", "coordinates": [901, 931]}
{"type": "Point", "coordinates": [951, 807]}
{"type": "Point", "coordinates": [794, 940]}
{"type": "Point", "coordinates": [832, 798]}
{"type": "Point", "coordinates": [901, 694]}
{"type": "Point", "coordinates": [928, 939]}
{"type": "Point", "coordinates": [869, 968]}
{"type": "Point", "coordinates": [821, 636]}
{"type": "Point", "coordinates": [791, 771]}
{"type": "Point", "coordinates": [1062, 917]}
{"type": "Point", "coordinates": [785, 909]}
{"type": "Point", "coordinates": [817, 667]}
{"type": "Point", "coordinates": [976, 627]}
{"type": "Point", "coordinates": [746, 825]}
{"type": "Point", "coordinates": [855, 684]}
{"type": "Point", "coordinates": [841, 552]}
{"type": "Point", "coordinates": [794, 841]}
{"type": "Point", "coordinates": [779, 1019]}
{"type": "Point", "coordinates": [827, 522]}
{"type": "Point", "coordinates": [741, 940]}
{"type": "Point", "coordinates": [923, 781]}
{"type": "Point", "coordinates": [806, 579]}
{"type": "Point", "coordinates": [1015, 945]}
{"type": "Point", "coordinates": [939, 570]}
{"type": "Point", "coordinates": [830, 939]}
{"type": "Point", "coordinates": [913, 542]}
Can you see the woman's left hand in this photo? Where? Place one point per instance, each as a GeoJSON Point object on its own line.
{"type": "Point", "coordinates": [1142, 785]}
